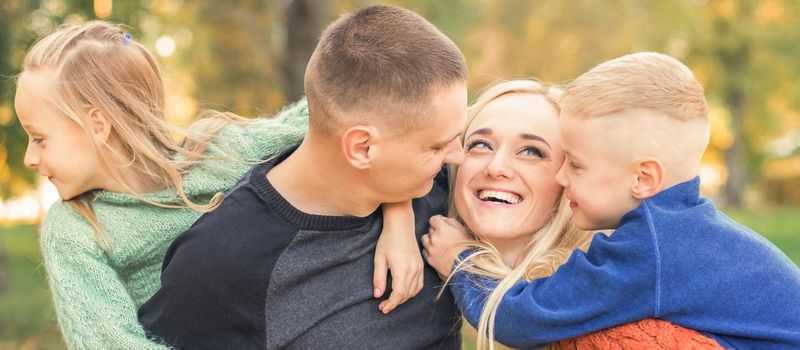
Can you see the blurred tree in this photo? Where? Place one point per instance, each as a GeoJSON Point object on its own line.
{"type": "Point", "coordinates": [14, 177]}
{"type": "Point", "coordinates": [304, 21]}
{"type": "Point", "coordinates": [746, 51]}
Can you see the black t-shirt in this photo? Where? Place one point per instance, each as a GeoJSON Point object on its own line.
{"type": "Point", "coordinates": [257, 273]}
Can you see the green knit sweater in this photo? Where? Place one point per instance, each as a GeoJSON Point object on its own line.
{"type": "Point", "coordinates": [97, 294]}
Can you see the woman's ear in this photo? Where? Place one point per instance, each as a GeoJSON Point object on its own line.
{"type": "Point", "coordinates": [101, 126]}
{"type": "Point", "coordinates": [358, 145]}
{"type": "Point", "coordinates": [649, 178]}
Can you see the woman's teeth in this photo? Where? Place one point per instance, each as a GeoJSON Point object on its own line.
{"type": "Point", "coordinates": [500, 197]}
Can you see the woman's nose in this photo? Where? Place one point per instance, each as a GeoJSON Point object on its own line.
{"type": "Point", "coordinates": [499, 166]}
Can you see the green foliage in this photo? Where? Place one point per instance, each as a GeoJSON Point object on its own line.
{"type": "Point", "coordinates": [780, 225]}
{"type": "Point", "coordinates": [27, 319]}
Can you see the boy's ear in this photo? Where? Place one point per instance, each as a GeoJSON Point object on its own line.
{"type": "Point", "coordinates": [649, 178]}
{"type": "Point", "coordinates": [101, 126]}
{"type": "Point", "coordinates": [358, 145]}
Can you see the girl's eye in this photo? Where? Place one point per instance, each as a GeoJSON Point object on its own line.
{"type": "Point", "coordinates": [37, 140]}
{"type": "Point", "coordinates": [532, 151]}
{"type": "Point", "coordinates": [478, 145]}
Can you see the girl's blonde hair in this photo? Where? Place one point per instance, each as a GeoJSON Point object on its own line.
{"type": "Point", "coordinates": [548, 247]}
{"type": "Point", "coordinates": [97, 65]}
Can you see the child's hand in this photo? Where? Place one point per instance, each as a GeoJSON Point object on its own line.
{"type": "Point", "coordinates": [398, 252]}
{"type": "Point", "coordinates": [446, 239]}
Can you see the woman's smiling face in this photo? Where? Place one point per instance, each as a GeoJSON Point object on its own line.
{"type": "Point", "coordinates": [505, 189]}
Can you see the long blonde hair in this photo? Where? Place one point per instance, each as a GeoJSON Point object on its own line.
{"type": "Point", "coordinates": [97, 65]}
{"type": "Point", "coordinates": [548, 247]}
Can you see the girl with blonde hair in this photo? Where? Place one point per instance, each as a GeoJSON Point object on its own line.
{"type": "Point", "coordinates": [91, 100]}
{"type": "Point", "coordinates": [509, 220]}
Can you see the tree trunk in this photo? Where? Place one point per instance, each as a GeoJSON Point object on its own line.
{"type": "Point", "coordinates": [304, 21]}
{"type": "Point", "coordinates": [734, 156]}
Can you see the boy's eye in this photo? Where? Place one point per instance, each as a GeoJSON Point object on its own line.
{"type": "Point", "coordinates": [532, 151]}
{"type": "Point", "coordinates": [572, 165]}
{"type": "Point", "coordinates": [478, 145]}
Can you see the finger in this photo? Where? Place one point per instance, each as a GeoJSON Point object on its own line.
{"type": "Point", "coordinates": [398, 296]}
{"type": "Point", "coordinates": [436, 220]}
{"type": "Point", "coordinates": [452, 222]}
{"type": "Point", "coordinates": [426, 240]}
{"type": "Point", "coordinates": [379, 277]}
{"type": "Point", "coordinates": [425, 254]}
{"type": "Point", "coordinates": [420, 282]}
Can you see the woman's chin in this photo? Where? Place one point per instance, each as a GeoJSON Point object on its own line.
{"type": "Point", "coordinates": [493, 233]}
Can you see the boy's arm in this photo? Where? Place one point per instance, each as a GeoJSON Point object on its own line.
{"type": "Point", "coordinates": [398, 252]}
{"type": "Point", "coordinates": [612, 284]}
{"type": "Point", "coordinates": [444, 242]}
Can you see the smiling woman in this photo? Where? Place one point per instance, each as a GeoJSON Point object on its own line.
{"type": "Point", "coordinates": [505, 190]}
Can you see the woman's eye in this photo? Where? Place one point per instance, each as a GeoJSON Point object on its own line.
{"type": "Point", "coordinates": [478, 145]}
{"type": "Point", "coordinates": [532, 151]}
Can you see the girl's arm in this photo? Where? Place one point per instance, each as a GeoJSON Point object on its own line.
{"type": "Point", "coordinates": [94, 309]}
{"type": "Point", "coordinates": [398, 251]}
{"type": "Point", "coordinates": [267, 135]}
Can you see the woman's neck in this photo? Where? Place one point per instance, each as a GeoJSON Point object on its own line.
{"type": "Point", "coordinates": [511, 249]}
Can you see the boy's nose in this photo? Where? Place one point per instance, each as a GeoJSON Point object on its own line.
{"type": "Point", "coordinates": [561, 177]}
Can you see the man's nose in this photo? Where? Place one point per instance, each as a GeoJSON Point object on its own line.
{"type": "Point", "coordinates": [455, 153]}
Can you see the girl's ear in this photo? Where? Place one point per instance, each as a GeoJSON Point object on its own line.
{"type": "Point", "coordinates": [358, 145]}
{"type": "Point", "coordinates": [649, 179]}
{"type": "Point", "coordinates": [101, 126]}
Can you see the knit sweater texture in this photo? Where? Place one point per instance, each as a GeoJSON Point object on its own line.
{"type": "Point", "coordinates": [675, 257]}
{"type": "Point", "coordinates": [95, 293]}
{"type": "Point", "coordinates": [649, 334]}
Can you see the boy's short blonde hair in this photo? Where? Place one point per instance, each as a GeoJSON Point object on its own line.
{"type": "Point", "coordinates": [663, 103]}
{"type": "Point", "coordinates": [644, 81]}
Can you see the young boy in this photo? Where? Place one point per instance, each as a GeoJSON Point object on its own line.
{"type": "Point", "coordinates": [634, 130]}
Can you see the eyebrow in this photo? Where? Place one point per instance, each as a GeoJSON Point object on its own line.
{"type": "Point", "coordinates": [445, 143]}
{"type": "Point", "coordinates": [524, 136]}
{"type": "Point", "coordinates": [573, 157]}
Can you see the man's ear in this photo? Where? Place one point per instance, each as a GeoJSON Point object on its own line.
{"type": "Point", "coordinates": [358, 145]}
{"type": "Point", "coordinates": [101, 126]}
{"type": "Point", "coordinates": [649, 178]}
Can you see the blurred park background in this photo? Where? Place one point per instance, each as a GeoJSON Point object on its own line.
{"type": "Point", "coordinates": [248, 56]}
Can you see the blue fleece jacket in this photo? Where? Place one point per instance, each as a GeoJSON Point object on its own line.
{"type": "Point", "coordinates": [674, 257]}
